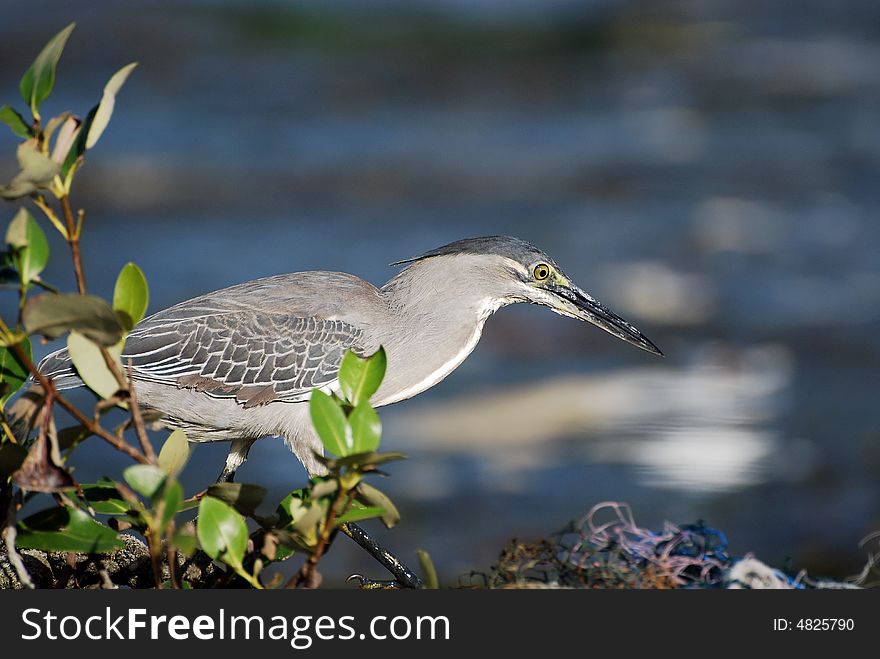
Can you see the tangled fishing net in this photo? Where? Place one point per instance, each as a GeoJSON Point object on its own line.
{"type": "Point", "coordinates": [607, 549]}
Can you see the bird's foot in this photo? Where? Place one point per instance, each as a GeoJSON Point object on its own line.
{"type": "Point", "coordinates": [374, 584]}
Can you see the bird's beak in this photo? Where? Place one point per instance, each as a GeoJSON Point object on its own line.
{"type": "Point", "coordinates": [572, 301]}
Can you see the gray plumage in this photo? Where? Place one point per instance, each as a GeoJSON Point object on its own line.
{"type": "Point", "coordinates": [238, 364]}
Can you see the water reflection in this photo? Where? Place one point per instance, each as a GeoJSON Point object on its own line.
{"type": "Point", "coordinates": [699, 426]}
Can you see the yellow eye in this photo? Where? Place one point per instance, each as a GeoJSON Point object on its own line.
{"type": "Point", "coordinates": [541, 271]}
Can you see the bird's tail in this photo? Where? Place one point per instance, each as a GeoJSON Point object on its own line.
{"type": "Point", "coordinates": [24, 413]}
{"type": "Point", "coordinates": [59, 367]}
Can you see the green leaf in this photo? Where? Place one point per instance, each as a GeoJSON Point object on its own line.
{"type": "Point", "coordinates": [96, 120]}
{"type": "Point", "coordinates": [361, 460]}
{"type": "Point", "coordinates": [359, 378]}
{"type": "Point", "coordinates": [330, 423]}
{"type": "Point", "coordinates": [29, 244]}
{"type": "Point", "coordinates": [371, 496]}
{"type": "Point", "coordinates": [242, 496]}
{"type": "Point", "coordinates": [52, 315]}
{"type": "Point", "coordinates": [185, 540]}
{"type": "Point", "coordinates": [12, 338]}
{"type": "Point", "coordinates": [37, 171]}
{"type": "Point", "coordinates": [307, 520]}
{"type": "Point", "coordinates": [13, 373]}
{"type": "Point", "coordinates": [67, 137]}
{"type": "Point", "coordinates": [299, 519]}
{"type": "Point", "coordinates": [79, 146]}
{"type": "Point", "coordinates": [324, 487]}
{"type": "Point", "coordinates": [359, 514]}
{"type": "Point", "coordinates": [174, 453]}
{"type": "Point", "coordinates": [131, 294]}
{"type": "Point", "coordinates": [292, 542]}
{"type": "Point", "coordinates": [91, 367]}
{"type": "Point", "coordinates": [188, 504]}
{"type": "Point", "coordinates": [37, 83]}
{"type": "Point", "coordinates": [282, 551]}
{"type": "Point", "coordinates": [65, 529]}
{"type": "Point", "coordinates": [146, 480]}
{"type": "Point", "coordinates": [429, 572]}
{"type": "Point", "coordinates": [17, 231]}
{"type": "Point", "coordinates": [288, 505]}
{"type": "Point", "coordinates": [366, 428]}
{"type": "Point", "coordinates": [108, 101]}
{"type": "Point", "coordinates": [104, 498]}
{"type": "Point", "coordinates": [222, 531]}
{"type": "Point", "coordinates": [172, 498]}
{"type": "Point", "coordinates": [16, 122]}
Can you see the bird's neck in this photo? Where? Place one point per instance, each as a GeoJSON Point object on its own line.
{"type": "Point", "coordinates": [428, 336]}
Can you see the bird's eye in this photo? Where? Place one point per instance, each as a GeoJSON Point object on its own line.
{"type": "Point", "coordinates": [541, 271]}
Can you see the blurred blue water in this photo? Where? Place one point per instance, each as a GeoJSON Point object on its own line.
{"type": "Point", "coordinates": [709, 171]}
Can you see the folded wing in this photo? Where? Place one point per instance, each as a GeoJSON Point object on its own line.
{"type": "Point", "coordinates": [251, 356]}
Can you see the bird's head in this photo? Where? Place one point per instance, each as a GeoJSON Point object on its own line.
{"type": "Point", "coordinates": [507, 270]}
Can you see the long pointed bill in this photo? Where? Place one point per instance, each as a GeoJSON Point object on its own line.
{"type": "Point", "coordinates": [576, 303]}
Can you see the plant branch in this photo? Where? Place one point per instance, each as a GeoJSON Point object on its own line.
{"type": "Point", "coordinates": [73, 241]}
{"type": "Point", "coordinates": [89, 424]}
{"type": "Point", "coordinates": [154, 544]}
{"type": "Point", "coordinates": [307, 576]}
{"type": "Point", "coordinates": [137, 419]}
{"type": "Point", "coordinates": [50, 215]}
{"type": "Point", "coordinates": [171, 558]}
{"type": "Point", "coordinates": [115, 370]}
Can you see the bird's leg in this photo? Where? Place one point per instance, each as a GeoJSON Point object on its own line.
{"type": "Point", "coordinates": [237, 456]}
{"type": "Point", "coordinates": [402, 574]}
{"type": "Point", "coordinates": [228, 473]}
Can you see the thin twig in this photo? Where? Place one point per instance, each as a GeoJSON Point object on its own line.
{"type": "Point", "coordinates": [50, 214]}
{"type": "Point", "coordinates": [114, 369]}
{"type": "Point", "coordinates": [80, 217]}
{"type": "Point", "coordinates": [44, 285]}
{"type": "Point", "coordinates": [154, 544]}
{"type": "Point", "coordinates": [171, 557]}
{"type": "Point", "coordinates": [22, 299]}
{"type": "Point", "coordinates": [73, 241]}
{"type": "Point", "coordinates": [137, 418]}
{"type": "Point", "coordinates": [108, 404]}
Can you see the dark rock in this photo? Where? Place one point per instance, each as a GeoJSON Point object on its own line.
{"type": "Point", "coordinates": [126, 567]}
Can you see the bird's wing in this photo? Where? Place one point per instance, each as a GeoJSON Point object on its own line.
{"type": "Point", "coordinates": [252, 356]}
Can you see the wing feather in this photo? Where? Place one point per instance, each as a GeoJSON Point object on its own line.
{"type": "Point", "coordinates": [251, 356]}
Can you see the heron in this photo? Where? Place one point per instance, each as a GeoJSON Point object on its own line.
{"type": "Point", "coordinates": [240, 363]}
